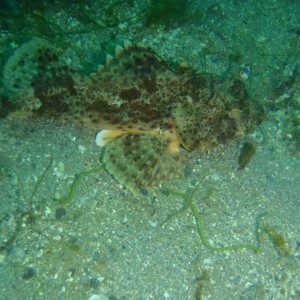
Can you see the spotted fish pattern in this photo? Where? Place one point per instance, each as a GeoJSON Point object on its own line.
{"type": "Point", "coordinates": [148, 113]}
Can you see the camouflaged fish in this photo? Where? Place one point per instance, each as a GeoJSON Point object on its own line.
{"type": "Point", "coordinates": [147, 113]}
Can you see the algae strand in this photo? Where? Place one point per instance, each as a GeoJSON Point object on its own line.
{"type": "Point", "coordinates": [261, 229]}
{"type": "Point", "coordinates": [75, 185]}
{"type": "Point", "coordinates": [200, 228]}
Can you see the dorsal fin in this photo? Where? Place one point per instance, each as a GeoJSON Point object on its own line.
{"type": "Point", "coordinates": [133, 61]}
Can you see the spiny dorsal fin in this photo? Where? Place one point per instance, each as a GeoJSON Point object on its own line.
{"type": "Point", "coordinates": [118, 50]}
{"type": "Point", "coordinates": [134, 61]}
{"type": "Point", "coordinates": [127, 44]}
{"type": "Point", "coordinates": [109, 59]}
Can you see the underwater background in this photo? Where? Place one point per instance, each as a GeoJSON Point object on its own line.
{"type": "Point", "coordinates": [228, 229]}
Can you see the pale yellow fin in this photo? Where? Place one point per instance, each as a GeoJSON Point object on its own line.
{"type": "Point", "coordinates": [105, 136]}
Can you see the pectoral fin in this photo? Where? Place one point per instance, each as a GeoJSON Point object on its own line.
{"type": "Point", "coordinates": [141, 160]}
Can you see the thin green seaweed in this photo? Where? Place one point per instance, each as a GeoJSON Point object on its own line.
{"type": "Point", "coordinates": [261, 229]}
{"type": "Point", "coordinates": [28, 213]}
{"type": "Point", "coordinates": [75, 185]}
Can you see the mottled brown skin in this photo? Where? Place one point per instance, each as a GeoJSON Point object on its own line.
{"type": "Point", "coordinates": [136, 91]}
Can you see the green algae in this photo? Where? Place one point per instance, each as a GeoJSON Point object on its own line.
{"type": "Point", "coordinates": [294, 128]}
{"type": "Point", "coordinates": [201, 282]}
{"type": "Point", "coordinates": [75, 185]}
{"type": "Point", "coordinates": [188, 199]}
{"type": "Point", "coordinates": [25, 214]}
{"type": "Point", "coordinates": [262, 229]}
{"type": "Point", "coordinates": [166, 11]}
{"type": "Point", "coordinates": [278, 240]}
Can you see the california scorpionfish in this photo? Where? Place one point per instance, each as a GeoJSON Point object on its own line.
{"type": "Point", "coordinates": [148, 113]}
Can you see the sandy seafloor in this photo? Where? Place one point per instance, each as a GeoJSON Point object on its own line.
{"type": "Point", "coordinates": [113, 246]}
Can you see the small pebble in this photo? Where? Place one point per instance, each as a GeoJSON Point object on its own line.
{"type": "Point", "coordinates": [48, 211]}
{"type": "Point", "coordinates": [60, 213]}
{"type": "Point", "coordinates": [95, 297]}
{"type": "Point", "coordinates": [28, 273]}
{"type": "Point", "coordinates": [40, 253]}
{"type": "Point", "coordinates": [81, 148]}
{"type": "Point", "coordinates": [94, 283]}
{"type": "Point", "coordinates": [2, 258]}
{"type": "Point", "coordinates": [98, 297]}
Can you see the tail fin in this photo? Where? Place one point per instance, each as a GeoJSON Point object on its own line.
{"type": "Point", "coordinates": [36, 80]}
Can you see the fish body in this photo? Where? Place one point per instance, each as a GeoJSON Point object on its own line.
{"type": "Point", "coordinates": [147, 113]}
